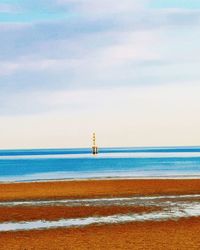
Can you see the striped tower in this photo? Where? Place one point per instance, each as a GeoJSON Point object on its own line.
{"type": "Point", "coordinates": [94, 147]}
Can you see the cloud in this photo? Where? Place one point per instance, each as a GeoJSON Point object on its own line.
{"type": "Point", "coordinates": [8, 8]}
{"type": "Point", "coordinates": [80, 66]}
{"type": "Point", "coordinates": [102, 43]}
{"type": "Point", "coordinates": [8, 68]}
{"type": "Point", "coordinates": [103, 7]}
{"type": "Point", "coordinates": [72, 64]}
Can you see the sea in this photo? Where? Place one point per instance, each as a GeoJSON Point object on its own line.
{"type": "Point", "coordinates": [137, 162]}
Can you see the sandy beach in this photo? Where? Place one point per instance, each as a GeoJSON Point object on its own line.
{"type": "Point", "coordinates": [168, 235]}
{"type": "Point", "coordinates": [181, 233]}
{"type": "Point", "coordinates": [58, 212]}
{"type": "Point", "coordinates": [97, 188]}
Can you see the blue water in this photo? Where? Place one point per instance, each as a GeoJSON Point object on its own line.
{"type": "Point", "coordinates": [46, 164]}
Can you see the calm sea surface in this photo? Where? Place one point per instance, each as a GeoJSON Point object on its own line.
{"type": "Point", "coordinates": [47, 164]}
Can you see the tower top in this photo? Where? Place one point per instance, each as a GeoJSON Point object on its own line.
{"type": "Point", "coordinates": [94, 139]}
{"type": "Point", "coordinates": [94, 146]}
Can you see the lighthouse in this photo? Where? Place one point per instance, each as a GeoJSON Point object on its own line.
{"type": "Point", "coordinates": [94, 146]}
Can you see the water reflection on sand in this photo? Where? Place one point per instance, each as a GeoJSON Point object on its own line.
{"type": "Point", "coordinates": [172, 207]}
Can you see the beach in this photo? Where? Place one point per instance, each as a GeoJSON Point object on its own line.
{"type": "Point", "coordinates": [179, 235]}
{"type": "Point", "coordinates": [97, 188]}
{"type": "Point", "coordinates": [78, 200]}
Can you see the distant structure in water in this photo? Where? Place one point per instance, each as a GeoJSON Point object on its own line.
{"type": "Point", "coordinates": [94, 146]}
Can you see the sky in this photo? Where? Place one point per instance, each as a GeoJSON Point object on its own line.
{"type": "Point", "coordinates": [128, 70]}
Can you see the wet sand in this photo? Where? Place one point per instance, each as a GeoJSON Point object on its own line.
{"type": "Point", "coordinates": [179, 234]}
{"type": "Point", "coordinates": [168, 235]}
{"type": "Point", "coordinates": [58, 212]}
{"type": "Point", "coordinates": [96, 188]}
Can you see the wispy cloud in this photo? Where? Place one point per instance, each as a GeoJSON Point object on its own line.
{"type": "Point", "coordinates": [60, 55]}
{"type": "Point", "coordinates": [8, 8]}
{"type": "Point", "coordinates": [100, 9]}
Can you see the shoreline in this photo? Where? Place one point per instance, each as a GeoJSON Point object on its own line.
{"type": "Point", "coordinates": [169, 177]}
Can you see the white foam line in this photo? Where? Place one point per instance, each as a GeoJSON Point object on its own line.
{"type": "Point", "coordinates": [93, 201]}
{"type": "Point", "coordinates": [104, 155]}
{"type": "Point", "coordinates": [175, 213]}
